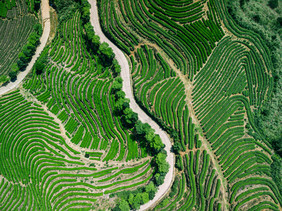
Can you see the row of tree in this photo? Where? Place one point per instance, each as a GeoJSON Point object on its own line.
{"type": "Point", "coordinates": [147, 139]}
{"type": "Point", "coordinates": [66, 10]}
{"type": "Point", "coordinates": [104, 52]}
{"type": "Point", "coordinates": [132, 199]}
{"type": "Point", "coordinates": [143, 133]}
{"type": "Point", "coordinates": [27, 52]}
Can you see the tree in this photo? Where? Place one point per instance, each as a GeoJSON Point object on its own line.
{"type": "Point", "coordinates": [142, 129]}
{"type": "Point", "coordinates": [21, 64]}
{"type": "Point", "coordinates": [159, 179]}
{"type": "Point", "coordinates": [121, 104]}
{"type": "Point", "coordinates": [174, 134]}
{"type": "Point", "coordinates": [119, 79]}
{"type": "Point", "coordinates": [137, 201]}
{"type": "Point", "coordinates": [117, 68]}
{"type": "Point", "coordinates": [273, 4]}
{"type": "Point", "coordinates": [106, 53]}
{"type": "Point", "coordinates": [15, 67]}
{"type": "Point", "coordinates": [116, 86]}
{"type": "Point", "coordinates": [95, 42]}
{"type": "Point", "coordinates": [151, 190]}
{"type": "Point", "coordinates": [3, 79]}
{"type": "Point", "coordinates": [85, 14]}
{"type": "Point", "coordinates": [33, 39]}
{"type": "Point", "coordinates": [123, 206]}
{"type": "Point", "coordinates": [89, 30]}
{"type": "Point", "coordinates": [131, 199]}
{"type": "Point", "coordinates": [157, 144]}
{"type": "Point", "coordinates": [130, 117]}
{"type": "Point", "coordinates": [39, 66]}
{"type": "Point", "coordinates": [174, 188]}
{"type": "Point", "coordinates": [37, 5]}
{"type": "Point", "coordinates": [279, 21]}
{"type": "Point", "coordinates": [41, 62]}
{"type": "Point", "coordinates": [120, 94]}
{"type": "Point", "coordinates": [150, 135]}
{"type": "Point", "coordinates": [38, 29]}
{"type": "Point", "coordinates": [177, 147]}
{"type": "Point", "coordinates": [13, 75]}
{"type": "Point", "coordinates": [23, 57]}
{"type": "Point", "coordinates": [14, 71]}
{"type": "Point", "coordinates": [161, 163]}
{"type": "Point", "coordinates": [28, 50]}
{"type": "Point", "coordinates": [145, 197]}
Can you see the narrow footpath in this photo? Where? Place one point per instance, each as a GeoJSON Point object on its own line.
{"type": "Point", "coordinates": [45, 11]}
{"type": "Point", "coordinates": [127, 88]}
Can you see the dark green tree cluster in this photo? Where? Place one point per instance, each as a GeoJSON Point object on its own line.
{"type": "Point", "coordinates": [147, 139]}
{"type": "Point", "coordinates": [33, 5]}
{"type": "Point", "coordinates": [132, 200]}
{"type": "Point", "coordinates": [273, 4]}
{"type": "Point", "coordinates": [27, 52]}
{"type": "Point", "coordinates": [37, 5]}
{"type": "Point", "coordinates": [105, 53]}
{"type": "Point", "coordinates": [177, 147]}
{"type": "Point", "coordinates": [6, 5]}
{"type": "Point", "coordinates": [129, 118]}
{"type": "Point", "coordinates": [41, 62]}
{"type": "Point", "coordinates": [162, 167]}
{"type": "Point", "coordinates": [65, 9]}
{"type": "Point", "coordinates": [85, 10]}
{"type": "Point", "coordinates": [93, 41]}
{"type": "Point", "coordinates": [3, 79]}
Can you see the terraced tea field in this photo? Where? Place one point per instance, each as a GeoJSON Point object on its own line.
{"type": "Point", "coordinates": [15, 29]}
{"type": "Point", "coordinates": [68, 148]}
{"type": "Point", "coordinates": [162, 117]}
{"type": "Point", "coordinates": [201, 77]}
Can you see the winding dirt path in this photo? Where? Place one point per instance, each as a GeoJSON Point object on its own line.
{"type": "Point", "coordinates": [45, 11]}
{"type": "Point", "coordinates": [127, 88]}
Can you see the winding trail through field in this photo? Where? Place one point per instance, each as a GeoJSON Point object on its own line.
{"type": "Point", "coordinates": [127, 88]}
{"type": "Point", "coordinates": [45, 11]}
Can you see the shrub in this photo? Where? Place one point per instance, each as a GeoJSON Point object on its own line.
{"type": "Point", "coordinates": [177, 147]}
{"type": "Point", "coordinates": [273, 4]}
{"type": "Point", "coordinates": [106, 54]}
{"type": "Point", "coordinates": [4, 79]}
